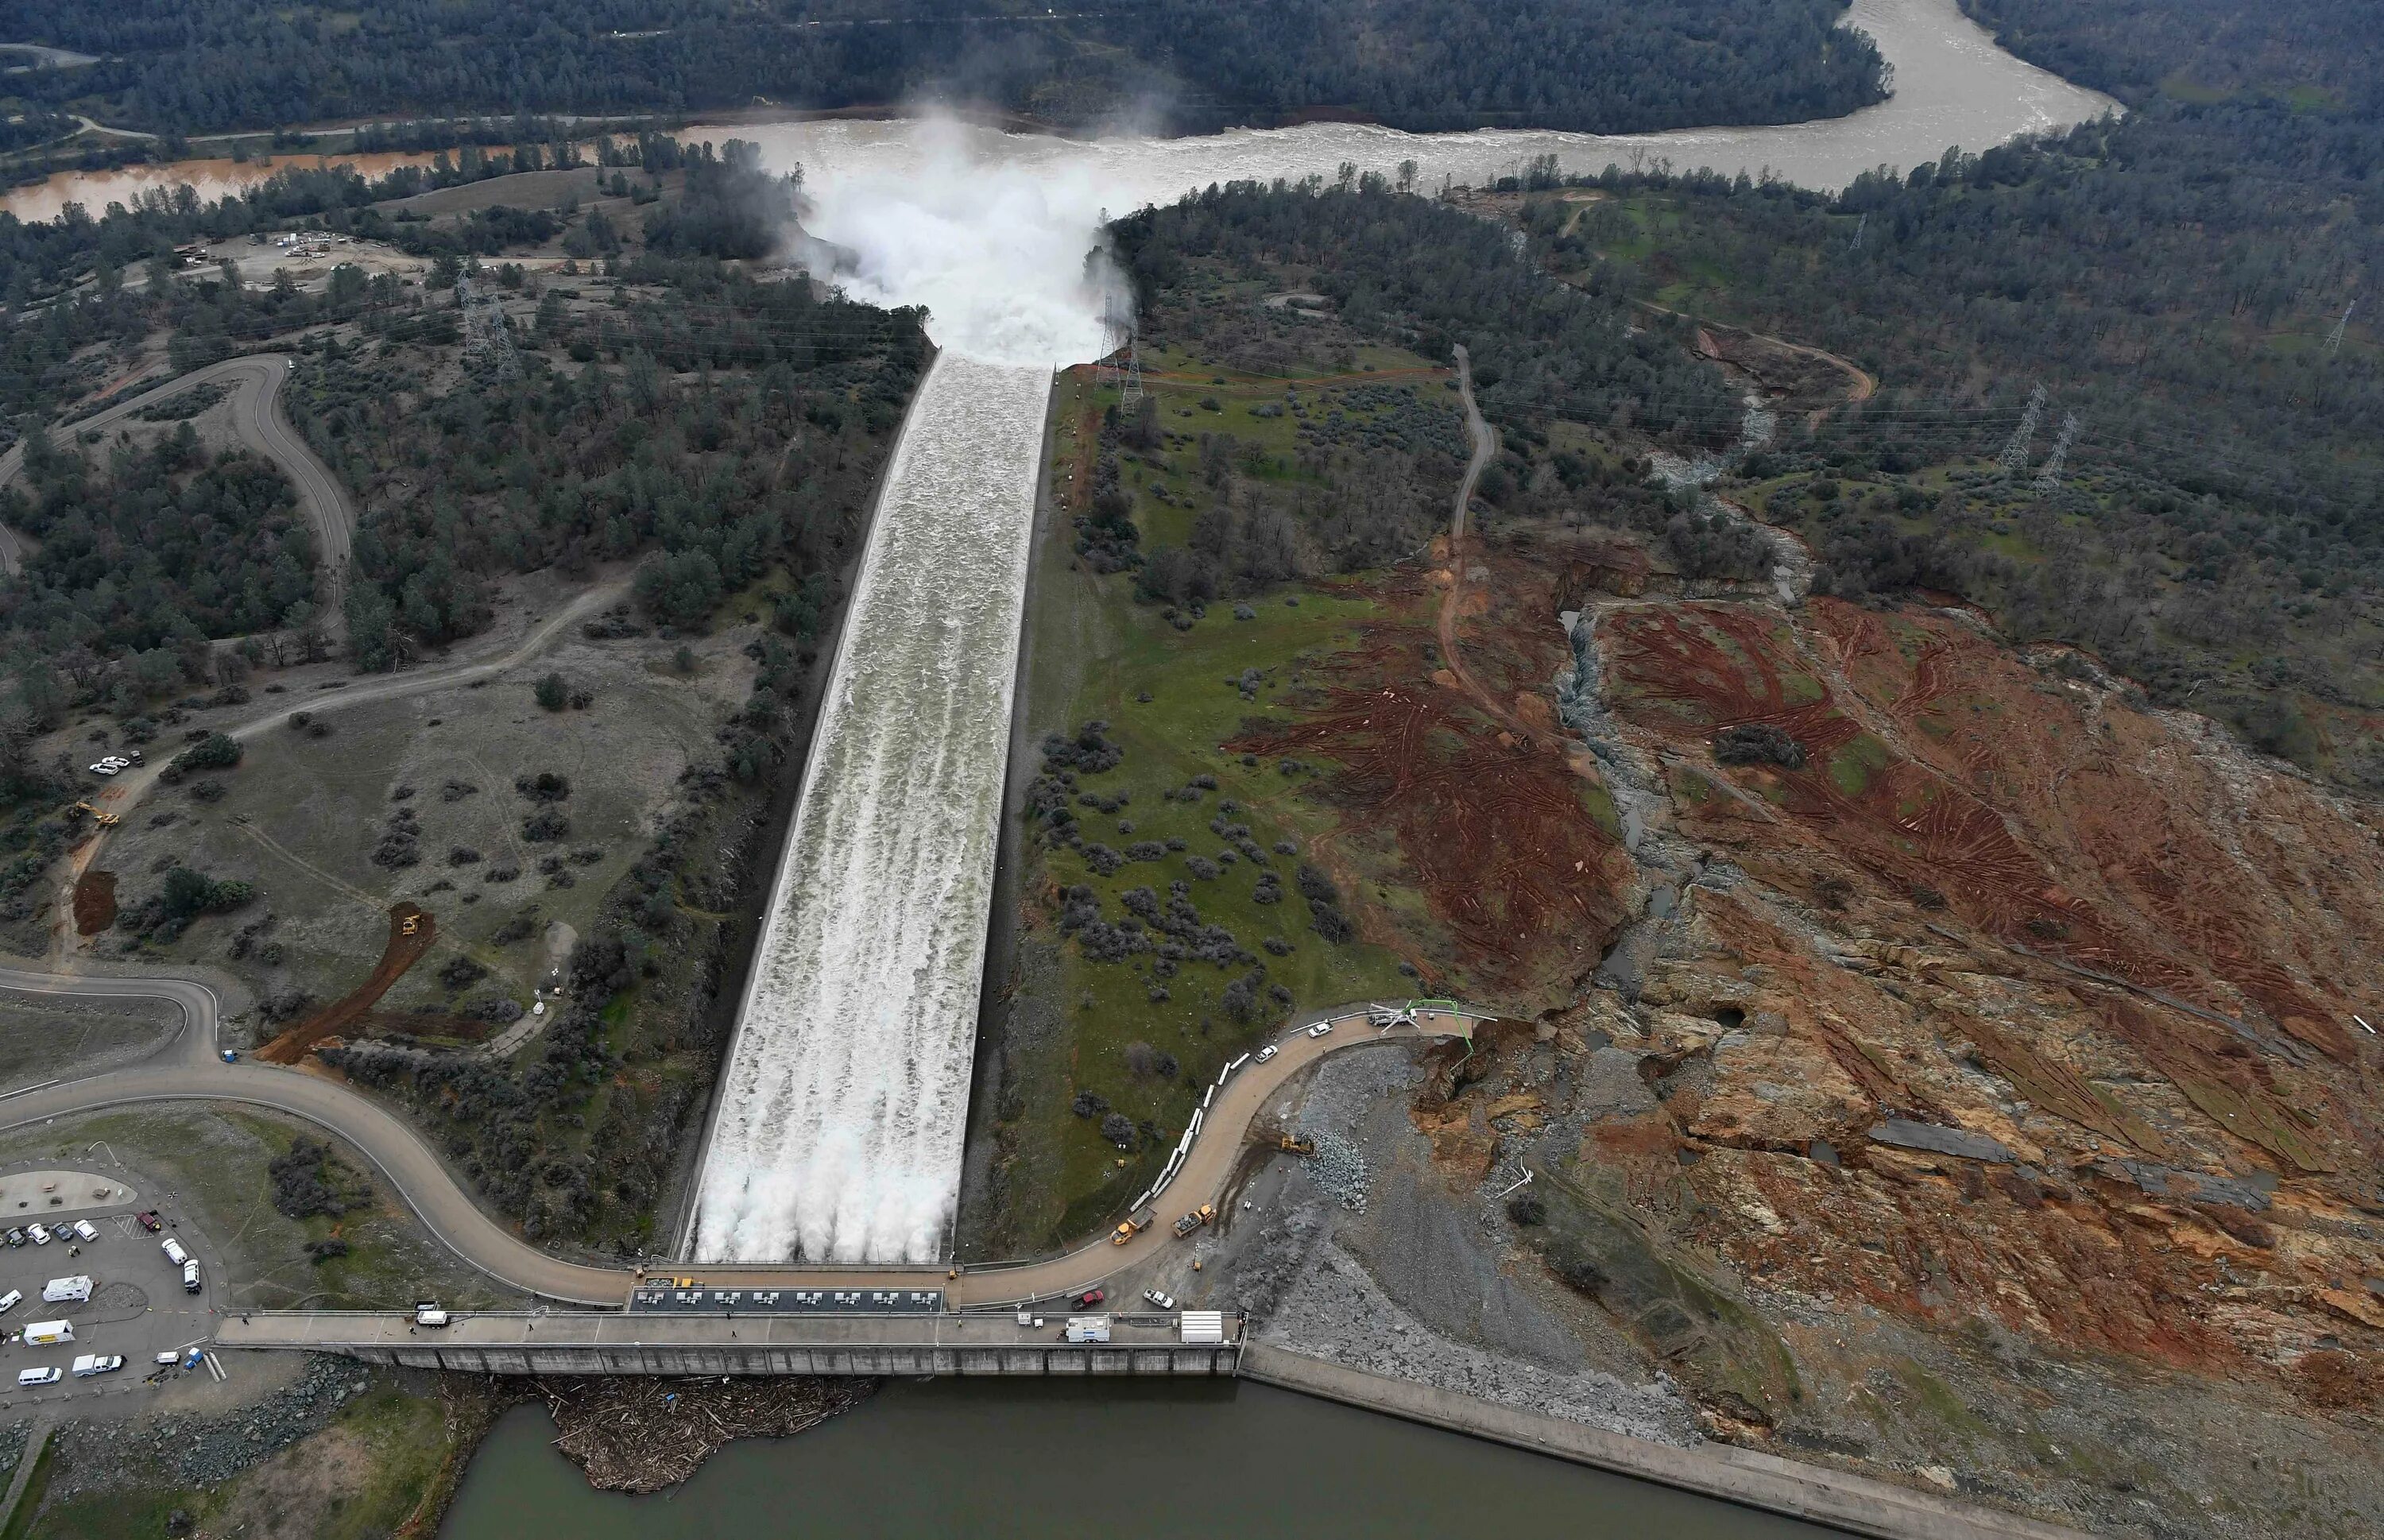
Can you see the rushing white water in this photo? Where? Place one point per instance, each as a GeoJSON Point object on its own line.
{"type": "Point", "coordinates": [1953, 87]}
{"type": "Point", "coordinates": [840, 1125]}
{"type": "Point", "coordinates": [840, 1128]}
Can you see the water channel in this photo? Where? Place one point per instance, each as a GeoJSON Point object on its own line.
{"type": "Point", "coordinates": [967, 1457]}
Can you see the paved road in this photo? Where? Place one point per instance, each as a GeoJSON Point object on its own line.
{"type": "Point", "coordinates": [450, 1212]}
{"type": "Point", "coordinates": [258, 420]}
{"type": "Point", "coordinates": [201, 1009]}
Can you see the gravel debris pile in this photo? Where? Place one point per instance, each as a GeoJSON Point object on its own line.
{"type": "Point", "coordinates": [1339, 1167]}
{"type": "Point", "coordinates": [201, 1451]}
{"type": "Point", "coordinates": [1335, 1311]}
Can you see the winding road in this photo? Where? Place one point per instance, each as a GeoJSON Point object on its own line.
{"type": "Point", "coordinates": [120, 795]}
{"type": "Point", "coordinates": [258, 421]}
{"type": "Point", "coordinates": [190, 1069]}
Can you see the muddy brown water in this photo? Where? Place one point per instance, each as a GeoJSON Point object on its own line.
{"type": "Point", "coordinates": [994, 1460]}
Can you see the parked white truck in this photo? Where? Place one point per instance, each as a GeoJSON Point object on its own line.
{"type": "Point", "coordinates": [48, 1334]}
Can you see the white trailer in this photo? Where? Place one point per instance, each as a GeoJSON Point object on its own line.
{"type": "Point", "coordinates": [62, 1291]}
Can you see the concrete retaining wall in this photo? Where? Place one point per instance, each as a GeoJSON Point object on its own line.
{"type": "Point", "coordinates": [1860, 1505]}
{"type": "Point", "coordinates": [662, 1358]}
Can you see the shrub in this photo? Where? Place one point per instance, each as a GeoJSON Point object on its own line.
{"type": "Point", "coordinates": [1089, 1104]}
{"type": "Point", "coordinates": [546, 823]}
{"type": "Point", "coordinates": [1527, 1208]}
{"type": "Point", "coordinates": [307, 1181]}
{"type": "Point", "coordinates": [214, 751]}
{"type": "Point", "coordinates": [461, 972]}
{"type": "Point", "coordinates": [545, 787]}
{"type": "Point", "coordinates": [1119, 1130]}
{"type": "Point", "coordinates": [188, 894]}
{"type": "Point", "coordinates": [552, 693]}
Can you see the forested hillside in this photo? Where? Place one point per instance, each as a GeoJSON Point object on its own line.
{"type": "Point", "coordinates": [2196, 286]}
{"type": "Point", "coordinates": [2316, 52]}
{"type": "Point", "coordinates": [201, 65]}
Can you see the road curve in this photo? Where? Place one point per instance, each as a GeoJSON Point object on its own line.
{"type": "Point", "coordinates": [451, 1214]}
{"type": "Point", "coordinates": [258, 420]}
{"type": "Point", "coordinates": [201, 1009]}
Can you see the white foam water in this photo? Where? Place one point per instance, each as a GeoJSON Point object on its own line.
{"type": "Point", "coordinates": [837, 1135]}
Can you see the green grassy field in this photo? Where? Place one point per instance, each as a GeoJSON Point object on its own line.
{"type": "Point", "coordinates": [301, 815]}
{"type": "Point", "coordinates": [1096, 652]}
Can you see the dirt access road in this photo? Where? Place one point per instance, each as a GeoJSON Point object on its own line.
{"type": "Point", "coordinates": [257, 421]}
{"type": "Point", "coordinates": [123, 793]}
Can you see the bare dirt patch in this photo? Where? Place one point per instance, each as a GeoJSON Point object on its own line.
{"type": "Point", "coordinates": [1495, 827]}
{"type": "Point", "coordinates": [411, 931]}
{"type": "Point", "coordinates": [94, 902]}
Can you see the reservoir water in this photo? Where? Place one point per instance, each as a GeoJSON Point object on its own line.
{"type": "Point", "coordinates": [1042, 1461]}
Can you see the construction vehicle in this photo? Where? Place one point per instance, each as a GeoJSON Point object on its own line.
{"type": "Point", "coordinates": [1205, 1213]}
{"type": "Point", "coordinates": [410, 925]}
{"type": "Point", "coordinates": [104, 819]}
{"type": "Point", "coordinates": [1133, 1225]}
{"type": "Point", "coordinates": [1297, 1146]}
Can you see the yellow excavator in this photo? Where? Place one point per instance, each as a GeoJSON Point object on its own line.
{"type": "Point", "coordinates": [1298, 1147]}
{"type": "Point", "coordinates": [104, 819]}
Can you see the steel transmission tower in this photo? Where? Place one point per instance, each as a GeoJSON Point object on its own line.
{"type": "Point", "coordinates": [2048, 478]}
{"type": "Point", "coordinates": [2015, 453]}
{"type": "Point", "coordinates": [2334, 338]}
{"type": "Point", "coordinates": [487, 338]}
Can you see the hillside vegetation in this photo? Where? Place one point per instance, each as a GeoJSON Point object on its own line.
{"type": "Point", "coordinates": [1602, 65]}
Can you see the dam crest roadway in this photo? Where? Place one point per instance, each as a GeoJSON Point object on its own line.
{"type": "Point", "coordinates": [190, 1069]}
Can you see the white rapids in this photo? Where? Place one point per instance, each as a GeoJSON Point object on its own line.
{"type": "Point", "coordinates": [837, 1135]}
{"type": "Point", "coordinates": [839, 1132]}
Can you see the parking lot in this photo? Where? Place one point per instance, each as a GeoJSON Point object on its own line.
{"type": "Point", "coordinates": [138, 1306]}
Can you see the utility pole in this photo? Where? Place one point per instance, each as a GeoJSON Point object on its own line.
{"type": "Point", "coordinates": [2015, 453]}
